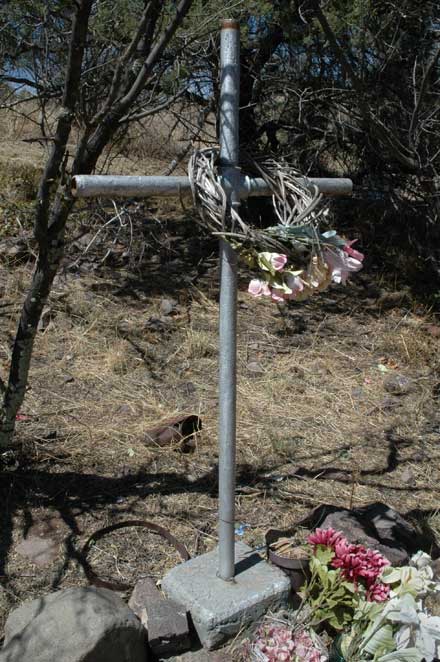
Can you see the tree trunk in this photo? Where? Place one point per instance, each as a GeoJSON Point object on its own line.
{"type": "Point", "coordinates": [45, 270]}
{"type": "Point", "coordinates": [53, 213]}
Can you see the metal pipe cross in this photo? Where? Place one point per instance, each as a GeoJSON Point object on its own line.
{"type": "Point", "coordinates": [237, 187]}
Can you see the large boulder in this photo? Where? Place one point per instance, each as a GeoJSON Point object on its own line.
{"type": "Point", "coordinates": [75, 625]}
{"type": "Point", "coordinates": [378, 526]}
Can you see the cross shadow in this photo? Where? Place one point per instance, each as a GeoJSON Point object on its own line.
{"type": "Point", "coordinates": [73, 494]}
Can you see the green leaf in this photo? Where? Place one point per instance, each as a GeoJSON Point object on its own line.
{"type": "Point", "coordinates": [379, 639]}
{"type": "Point", "coordinates": [324, 554]}
{"type": "Point", "coordinates": [391, 575]}
{"type": "Point", "coordinates": [340, 618]}
{"type": "Point", "coordinates": [407, 655]}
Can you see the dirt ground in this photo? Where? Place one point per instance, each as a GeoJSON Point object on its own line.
{"type": "Point", "coordinates": [337, 403]}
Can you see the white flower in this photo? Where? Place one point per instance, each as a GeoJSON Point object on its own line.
{"type": "Point", "coordinates": [420, 560]}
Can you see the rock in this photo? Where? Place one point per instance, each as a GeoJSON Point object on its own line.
{"type": "Point", "coordinates": [432, 604]}
{"type": "Point", "coordinates": [398, 384]}
{"type": "Point", "coordinates": [178, 431]}
{"type": "Point", "coordinates": [14, 249]}
{"type": "Point", "coordinates": [255, 368]}
{"type": "Point", "coordinates": [42, 542]}
{"type": "Point", "coordinates": [407, 476]}
{"type": "Point", "coordinates": [433, 330]}
{"type": "Point", "coordinates": [390, 403]}
{"type": "Point", "coordinates": [83, 241]}
{"type": "Point", "coordinates": [165, 621]}
{"type": "Point", "coordinates": [40, 551]}
{"type": "Point", "coordinates": [168, 306]}
{"type": "Point", "coordinates": [203, 656]}
{"type": "Point", "coordinates": [377, 526]}
{"type": "Point", "coordinates": [436, 569]}
{"type": "Point", "coordinates": [187, 388]}
{"type": "Point", "coordinates": [75, 625]}
{"type": "Point", "coordinates": [157, 324]}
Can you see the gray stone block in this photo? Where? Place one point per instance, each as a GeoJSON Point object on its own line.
{"type": "Point", "coordinates": [220, 609]}
{"type": "Point", "coordinates": [165, 621]}
{"type": "Point", "coordinates": [75, 625]}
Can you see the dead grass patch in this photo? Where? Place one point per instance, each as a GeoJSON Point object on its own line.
{"type": "Point", "coordinates": [315, 423]}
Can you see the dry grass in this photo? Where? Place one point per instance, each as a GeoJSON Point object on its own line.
{"type": "Point", "coordinates": [315, 405]}
{"type": "Point", "coordinates": [315, 423]}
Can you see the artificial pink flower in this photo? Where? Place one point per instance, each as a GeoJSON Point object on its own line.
{"type": "Point", "coordinates": [341, 264]}
{"type": "Point", "coordinates": [271, 261]}
{"type": "Point", "coordinates": [356, 562]}
{"type": "Point", "coordinates": [326, 537]}
{"type": "Point", "coordinates": [295, 284]}
{"type": "Point", "coordinates": [352, 252]}
{"type": "Point", "coordinates": [276, 296]}
{"type": "Point", "coordinates": [278, 261]}
{"type": "Point", "coordinates": [279, 643]}
{"type": "Point", "coordinates": [259, 288]}
{"type": "Point", "coordinates": [378, 592]}
{"type": "Point", "coordinates": [343, 548]}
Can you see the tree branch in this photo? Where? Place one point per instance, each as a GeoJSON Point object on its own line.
{"type": "Point", "coordinates": [65, 119]}
{"type": "Point", "coordinates": [152, 111]}
{"type": "Point", "coordinates": [117, 76]}
{"type": "Point", "coordinates": [423, 88]}
{"type": "Point", "coordinates": [156, 52]}
{"type": "Point", "coordinates": [378, 130]}
{"type": "Point", "coordinates": [86, 160]}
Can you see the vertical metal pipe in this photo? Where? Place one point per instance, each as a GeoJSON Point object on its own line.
{"type": "Point", "coordinates": [229, 157]}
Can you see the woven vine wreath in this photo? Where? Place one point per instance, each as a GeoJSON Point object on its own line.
{"type": "Point", "coordinates": [293, 259]}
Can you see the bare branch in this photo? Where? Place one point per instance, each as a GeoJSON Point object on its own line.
{"type": "Point", "coordinates": [114, 89]}
{"type": "Point", "coordinates": [144, 73]}
{"type": "Point", "coordinates": [152, 111]}
{"type": "Point", "coordinates": [65, 119]}
{"type": "Point", "coordinates": [405, 156]}
{"type": "Point", "coordinates": [423, 89]}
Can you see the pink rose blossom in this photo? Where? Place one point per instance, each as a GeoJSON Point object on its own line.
{"type": "Point", "coordinates": [259, 288]}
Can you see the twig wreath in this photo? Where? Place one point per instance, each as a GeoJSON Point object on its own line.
{"type": "Point", "coordinates": [293, 259]}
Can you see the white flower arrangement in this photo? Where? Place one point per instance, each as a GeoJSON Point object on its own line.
{"type": "Point", "coordinates": [401, 628]}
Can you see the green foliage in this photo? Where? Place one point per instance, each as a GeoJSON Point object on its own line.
{"type": "Point", "coordinates": [113, 23]}
{"type": "Point", "coordinates": [331, 598]}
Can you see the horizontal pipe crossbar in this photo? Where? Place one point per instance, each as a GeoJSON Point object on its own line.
{"type": "Point", "coordinates": [121, 186]}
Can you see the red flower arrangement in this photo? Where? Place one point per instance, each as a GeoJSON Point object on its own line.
{"type": "Point", "coordinates": [356, 562]}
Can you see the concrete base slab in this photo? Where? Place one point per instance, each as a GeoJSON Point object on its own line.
{"type": "Point", "coordinates": [220, 609]}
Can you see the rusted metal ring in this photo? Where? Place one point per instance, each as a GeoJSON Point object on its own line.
{"type": "Point", "coordinates": [229, 24]}
{"type": "Point", "coordinates": [100, 533]}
